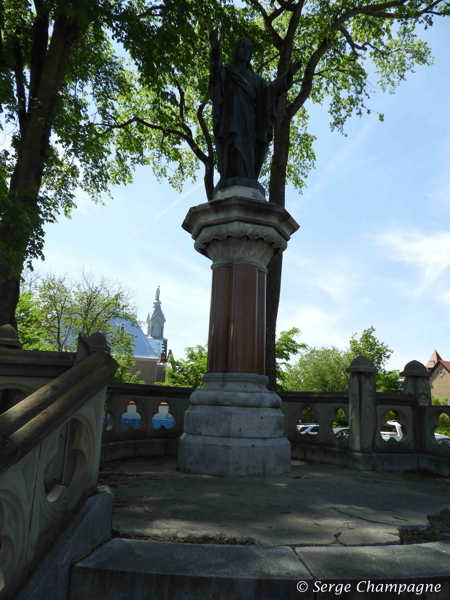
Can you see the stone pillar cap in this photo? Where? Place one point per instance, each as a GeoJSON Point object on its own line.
{"type": "Point", "coordinates": [361, 364]}
{"type": "Point", "coordinates": [8, 337]}
{"type": "Point", "coordinates": [243, 210]}
{"type": "Point", "coordinates": [415, 369]}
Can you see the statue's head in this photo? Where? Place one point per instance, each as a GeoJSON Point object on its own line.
{"type": "Point", "coordinates": [243, 51]}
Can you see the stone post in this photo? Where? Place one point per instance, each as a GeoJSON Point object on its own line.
{"type": "Point", "coordinates": [234, 425]}
{"type": "Point", "coordinates": [362, 405]}
{"type": "Point", "coordinates": [417, 384]}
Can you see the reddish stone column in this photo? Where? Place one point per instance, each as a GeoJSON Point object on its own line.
{"type": "Point", "coordinates": [237, 320]}
{"type": "Point", "coordinates": [221, 435]}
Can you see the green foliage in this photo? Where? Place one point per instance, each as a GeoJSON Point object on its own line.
{"type": "Point", "coordinates": [188, 372]}
{"type": "Point", "coordinates": [378, 353]}
{"type": "Point", "coordinates": [318, 370]}
{"type": "Point", "coordinates": [324, 369]}
{"type": "Point", "coordinates": [73, 147]}
{"type": "Point", "coordinates": [444, 420]}
{"type": "Point", "coordinates": [285, 347]}
{"type": "Point", "coordinates": [55, 310]}
{"type": "Point", "coordinates": [33, 333]}
{"type": "Point", "coordinates": [165, 114]}
{"type": "Point", "coordinates": [370, 347]}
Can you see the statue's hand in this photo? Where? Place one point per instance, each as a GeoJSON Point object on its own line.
{"type": "Point", "coordinates": [214, 41]}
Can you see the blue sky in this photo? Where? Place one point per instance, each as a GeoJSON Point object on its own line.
{"type": "Point", "coordinates": [373, 246]}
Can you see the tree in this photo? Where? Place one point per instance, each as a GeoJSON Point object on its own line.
{"type": "Point", "coordinates": [59, 78]}
{"type": "Point", "coordinates": [189, 372]}
{"type": "Point", "coordinates": [56, 310]}
{"type": "Point", "coordinates": [324, 369]}
{"type": "Point", "coordinates": [318, 370]}
{"type": "Point", "coordinates": [328, 42]}
{"type": "Point", "coordinates": [444, 420]}
{"type": "Point", "coordinates": [379, 353]}
{"type": "Point", "coordinates": [286, 347]}
{"type": "Point", "coordinates": [32, 333]}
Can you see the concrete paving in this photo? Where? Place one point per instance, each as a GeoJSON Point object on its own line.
{"type": "Point", "coordinates": [314, 505]}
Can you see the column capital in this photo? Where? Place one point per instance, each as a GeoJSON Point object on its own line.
{"type": "Point", "coordinates": [239, 230]}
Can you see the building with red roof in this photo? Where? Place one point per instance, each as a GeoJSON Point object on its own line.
{"type": "Point", "coordinates": [440, 376]}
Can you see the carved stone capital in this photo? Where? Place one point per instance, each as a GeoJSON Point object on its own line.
{"type": "Point", "coordinates": [239, 230]}
{"type": "Point", "coordinates": [234, 243]}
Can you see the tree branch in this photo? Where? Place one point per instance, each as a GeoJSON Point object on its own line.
{"type": "Point", "coordinates": [288, 5]}
{"type": "Point", "coordinates": [265, 63]}
{"type": "Point", "coordinates": [276, 38]}
{"type": "Point", "coordinates": [204, 129]}
{"type": "Point", "coordinates": [303, 95]}
{"type": "Point", "coordinates": [350, 41]}
{"type": "Point", "coordinates": [372, 10]}
{"type": "Point", "coordinates": [293, 23]}
{"type": "Point", "coordinates": [20, 82]}
{"type": "Point", "coordinates": [38, 51]}
{"type": "Point", "coordinates": [187, 129]}
{"type": "Point", "coordinates": [166, 131]}
{"type": "Point", "coordinates": [150, 11]}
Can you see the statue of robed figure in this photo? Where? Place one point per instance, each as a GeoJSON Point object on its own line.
{"type": "Point", "coordinates": [244, 110]}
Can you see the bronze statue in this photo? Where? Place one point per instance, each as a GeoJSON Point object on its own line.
{"type": "Point", "coordinates": [244, 110]}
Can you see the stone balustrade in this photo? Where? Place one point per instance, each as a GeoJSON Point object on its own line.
{"type": "Point", "coordinates": [365, 410]}
{"type": "Point", "coordinates": [50, 446]}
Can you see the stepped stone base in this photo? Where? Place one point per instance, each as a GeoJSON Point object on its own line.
{"type": "Point", "coordinates": [234, 427]}
{"type": "Point", "coordinates": [233, 457]}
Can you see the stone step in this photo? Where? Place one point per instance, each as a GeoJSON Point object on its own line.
{"type": "Point", "coordinates": [138, 569]}
{"type": "Point", "coordinates": [143, 570]}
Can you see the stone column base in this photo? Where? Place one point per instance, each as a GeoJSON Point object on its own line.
{"type": "Point", "coordinates": [233, 457]}
{"type": "Point", "coordinates": [234, 427]}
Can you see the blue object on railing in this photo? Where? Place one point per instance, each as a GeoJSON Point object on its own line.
{"type": "Point", "coordinates": [127, 422]}
{"type": "Point", "coordinates": [167, 423]}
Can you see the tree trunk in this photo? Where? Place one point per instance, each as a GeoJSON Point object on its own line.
{"type": "Point", "coordinates": [277, 196]}
{"type": "Point", "coordinates": [20, 224]}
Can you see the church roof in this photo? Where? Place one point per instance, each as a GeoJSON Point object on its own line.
{"type": "Point", "coordinates": [142, 346]}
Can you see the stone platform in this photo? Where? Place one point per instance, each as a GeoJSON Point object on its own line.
{"type": "Point", "coordinates": [313, 505]}
{"type": "Point", "coordinates": [317, 533]}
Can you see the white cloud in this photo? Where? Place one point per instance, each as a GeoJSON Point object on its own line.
{"type": "Point", "coordinates": [429, 254]}
{"type": "Point", "coordinates": [336, 276]}
{"type": "Point", "coordinates": [319, 327]}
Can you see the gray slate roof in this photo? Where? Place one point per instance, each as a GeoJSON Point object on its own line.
{"type": "Point", "coordinates": [142, 346]}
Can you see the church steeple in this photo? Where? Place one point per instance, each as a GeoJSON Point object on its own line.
{"type": "Point", "coordinates": [156, 320]}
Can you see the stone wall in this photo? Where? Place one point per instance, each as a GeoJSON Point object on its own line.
{"type": "Point", "coordinates": [365, 448]}
{"type": "Point", "coordinates": [147, 367]}
{"type": "Point", "coordinates": [440, 386]}
{"type": "Point", "coordinates": [50, 445]}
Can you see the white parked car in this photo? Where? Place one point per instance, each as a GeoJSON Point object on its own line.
{"type": "Point", "coordinates": [309, 428]}
{"type": "Point", "coordinates": [391, 430]}
{"type": "Point", "coordinates": [341, 432]}
{"type": "Point", "coordinates": [442, 439]}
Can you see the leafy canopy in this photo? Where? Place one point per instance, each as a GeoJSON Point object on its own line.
{"type": "Point", "coordinates": [74, 150]}
{"type": "Point", "coordinates": [55, 310]}
{"type": "Point", "coordinates": [324, 369]}
{"type": "Point", "coordinates": [164, 118]}
{"type": "Point", "coordinates": [189, 372]}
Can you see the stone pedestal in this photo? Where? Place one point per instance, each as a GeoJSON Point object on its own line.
{"type": "Point", "coordinates": [234, 425]}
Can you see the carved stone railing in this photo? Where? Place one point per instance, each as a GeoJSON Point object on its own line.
{"type": "Point", "coordinates": [146, 438]}
{"type": "Point", "coordinates": [50, 446]}
{"type": "Point", "coordinates": [365, 410]}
